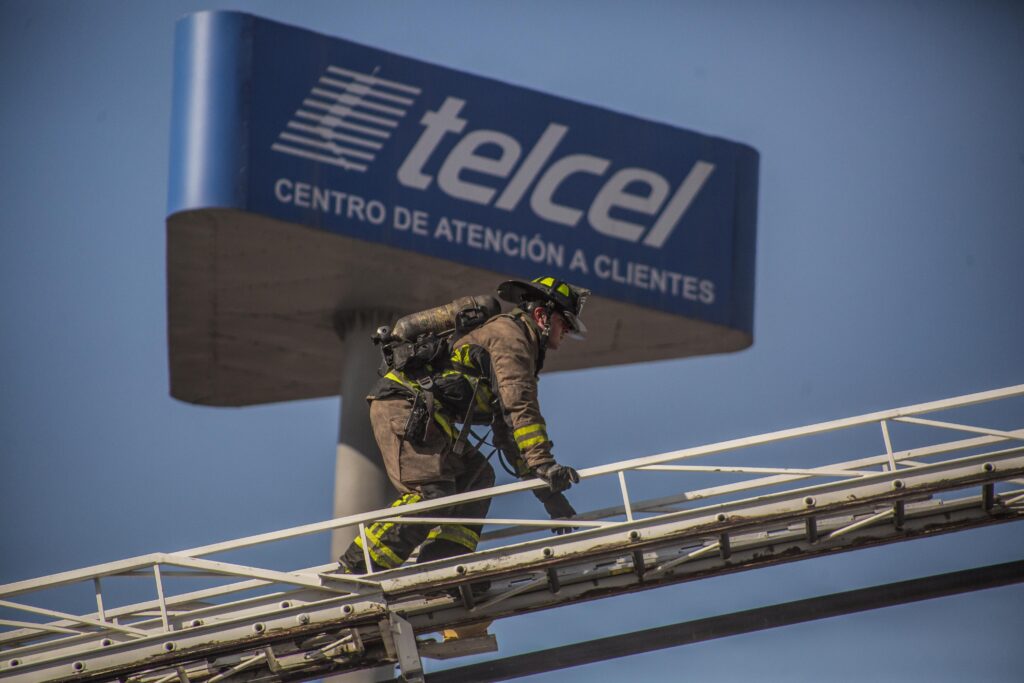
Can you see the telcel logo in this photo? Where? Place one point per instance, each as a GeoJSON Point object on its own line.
{"type": "Point", "coordinates": [614, 193]}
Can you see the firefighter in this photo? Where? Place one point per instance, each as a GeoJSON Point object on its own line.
{"type": "Point", "coordinates": [491, 378]}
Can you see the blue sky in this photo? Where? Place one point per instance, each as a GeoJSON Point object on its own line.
{"type": "Point", "coordinates": [890, 235]}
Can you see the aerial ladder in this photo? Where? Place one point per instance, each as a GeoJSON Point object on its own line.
{"type": "Point", "coordinates": [248, 623]}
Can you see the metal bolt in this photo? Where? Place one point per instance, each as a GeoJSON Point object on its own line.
{"type": "Point", "coordinates": [14, 662]}
{"type": "Point", "coordinates": [988, 467]}
{"type": "Point", "coordinates": [721, 517]}
{"type": "Point", "coordinates": [460, 569]}
{"type": "Point", "coordinates": [169, 647]}
{"type": "Point", "coordinates": [809, 501]}
{"type": "Point", "coordinates": [304, 618]}
{"type": "Point", "coordinates": [548, 552]}
{"type": "Point", "coordinates": [285, 604]}
{"type": "Point", "coordinates": [634, 535]}
{"type": "Point", "coordinates": [898, 484]}
{"type": "Point", "coordinates": [78, 666]}
{"type": "Point", "coordinates": [259, 627]}
{"type": "Point", "coordinates": [106, 642]}
{"type": "Point", "coordinates": [196, 622]}
{"type": "Point", "coordinates": [346, 609]}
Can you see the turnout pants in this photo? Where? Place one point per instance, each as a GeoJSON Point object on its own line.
{"type": "Point", "coordinates": [421, 472]}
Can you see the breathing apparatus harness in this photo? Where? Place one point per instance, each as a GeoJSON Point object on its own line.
{"type": "Point", "coordinates": [420, 345]}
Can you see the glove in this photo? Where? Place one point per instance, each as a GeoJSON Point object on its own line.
{"type": "Point", "coordinates": [558, 507]}
{"type": "Point", "coordinates": [558, 477]}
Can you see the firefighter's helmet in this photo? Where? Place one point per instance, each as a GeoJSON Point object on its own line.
{"type": "Point", "coordinates": [564, 298]}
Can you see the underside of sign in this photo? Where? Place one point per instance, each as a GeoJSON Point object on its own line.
{"type": "Point", "coordinates": [255, 306]}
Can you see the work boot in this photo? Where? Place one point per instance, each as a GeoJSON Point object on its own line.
{"type": "Point", "coordinates": [345, 568]}
{"type": "Point", "coordinates": [440, 549]}
{"type": "Point", "coordinates": [351, 562]}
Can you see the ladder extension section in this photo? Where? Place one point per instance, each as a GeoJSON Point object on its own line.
{"type": "Point", "coordinates": [208, 620]}
{"type": "Point", "coordinates": [736, 623]}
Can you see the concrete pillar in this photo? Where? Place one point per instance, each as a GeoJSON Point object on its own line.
{"type": "Point", "coordinates": [360, 482]}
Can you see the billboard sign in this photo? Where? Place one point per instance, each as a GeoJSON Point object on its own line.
{"type": "Point", "coordinates": [341, 137]}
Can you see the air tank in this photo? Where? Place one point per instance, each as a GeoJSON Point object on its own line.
{"type": "Point", "coordinates": [464, 312]}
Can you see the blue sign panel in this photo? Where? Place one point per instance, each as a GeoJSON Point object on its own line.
{"type": "Point", "coordinates": [345, 138]}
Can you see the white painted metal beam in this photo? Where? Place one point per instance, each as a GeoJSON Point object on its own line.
{"type": "Point", "coordinates": [863, 505]}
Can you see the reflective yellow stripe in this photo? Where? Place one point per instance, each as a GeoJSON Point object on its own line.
{"type": "Point", "coordinates": [445, 425]}
{"type": "Point", "coordinates": [379, 551]}
{"type": "Point", "coordinates": [563, 288]}
{"type": "Point", "coordinates": [456, 533]}
{"type": "Point", "coordinates": [530, 435]}
{"type": "Point", "coordinates": [529, 429]}
{"type": "Point", "coordinates": [381, 555]}
{"type": "Point", "coordinates": [479, 388]}
{"type": "Point", "coordinates": [400, 378]}
{"type": "Point", "coordinates": [531, 442]}
{"type": "Point", "coordinates": [462, 357]}
{"type": "Point", "coordinates": [525, 440]}
{"type": "Point", "coordinates": [482, 403]}
{"type": "Point", "coordinates": [483, 394]}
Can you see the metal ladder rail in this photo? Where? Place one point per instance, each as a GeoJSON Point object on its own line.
{"type": "Point", "coordinates": [907, 457]}
{"type": "Point", "coordinates": [618, 468]}
{"type": "Point", "coordinates": [692, 496]}
{"type": "Point", "coordinates": [597, 578]}
{"type": "Point", "coordinates": [622, 575]}
{"type": "Point", "coordinates": [974, 468]}
{"type": "Point", "coordinates": [747, 621]}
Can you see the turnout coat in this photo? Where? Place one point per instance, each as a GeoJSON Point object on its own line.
{"type": "Point", "coordinates": [491, 378]}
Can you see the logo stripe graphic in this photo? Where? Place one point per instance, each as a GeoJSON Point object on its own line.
{"type": "Point", "coordinates": [328, 120]}
{"type": "Point", "coordinates": [363, 89]}
{"type": "Point", "coordinates": [365, 106]}
{"type": "Point", "coordinates": [328, 134]}
{"type": "Point", "coordinates": [357, 101]}
{"type": "Point", "coordinates": [337, 149]}
{"type": "Point", "coordinates": [334, 161]}
{"type": "Point", "coordinates": [372, 79]}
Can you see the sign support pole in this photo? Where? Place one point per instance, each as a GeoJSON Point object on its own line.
{"type": "Point", "coordinates": [360, 481]}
